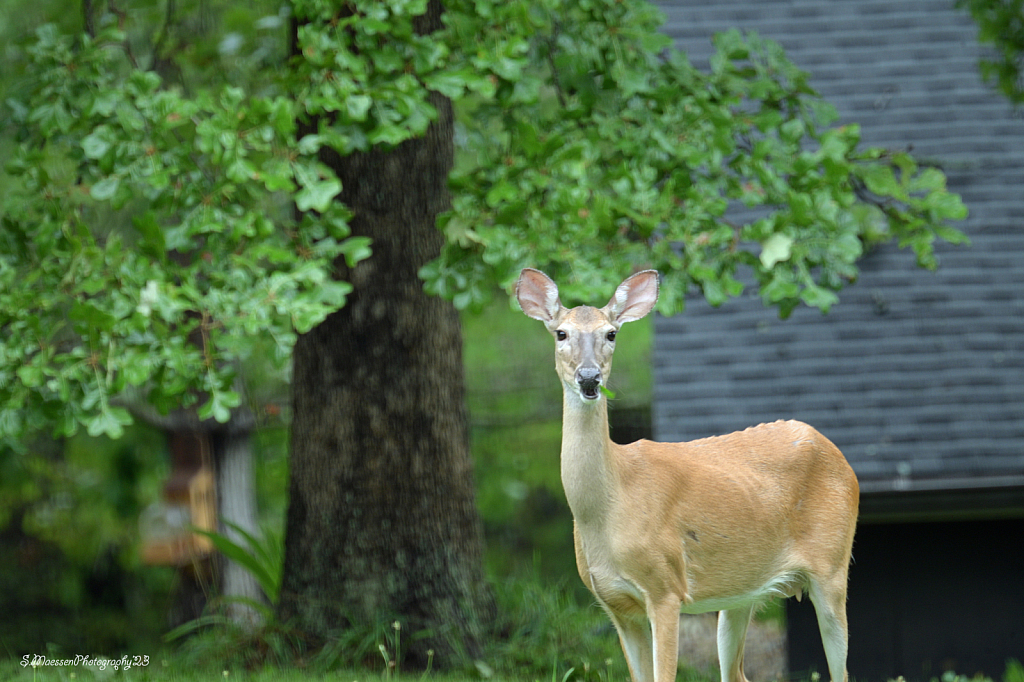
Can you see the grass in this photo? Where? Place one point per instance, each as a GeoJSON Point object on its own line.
{"type": "Point", "coordinates": [172, 669]}
{"type": "Point", "coordinates": [539, 632]}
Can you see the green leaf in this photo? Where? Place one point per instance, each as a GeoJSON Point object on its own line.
{"type": "Point", "coordinates": [880, 179]}
{"type": "Point", "coordinates": [731, 44]}
{"type": "Point", "coordinates": [96, 319]}
{"type": "Point", "coordinates": [137, 370]}
{"type": "Point", "coordinates": [847, 247]}
{"type": "Point", "coordinates": [219, 406]}
{"type": "Point", "coordinates": [356, 249]}
{"type": "Point", "coordinates": [31, 375]}
{"type": "Point", "coordinates": [389, 134]}
{"type": "Point", "coordinates": [499, 193]}
{"type": "Point", "coordinates": [776, 248]}
{"type": "Point", "coordinates": [357, 106]}
{"type": "Point", "coordinates": [318, 195]}
{"type": "Point", "coordinates": [244, 558]}
{"type": "Point", "coordinates": [817, 297]}
{"type": "Point", "coordinates": [930, 179]}
{"type": "Point", "coordinates": [309, 144]}
{"type": "Point", "coordinates": [951, 235]}
{"type": "Point", "coordinates": [448, 83]}
{"type": "Point", "coordinates": [282, 116]}
{"type": "Point", "coordinates": [152, 243]}
{"type": "Point", "coordinates": [109, 422]}
{"type": "Point", "coordinates": [780, 288]}
{"type": "Point", "coordinates": [791, 131]}
{"type": "Point", "coordinates": [946, 206]}
{"type": "Point", "coordinates": [105, 103]}
{"type": "Point", "coordinates": [105, 188]}
{"type": "Point", "coordinates": [199, 623]}
{"type": "Point", "coordinates": [268, 550]}
{"type": "Point", "coordinates": [95, 145]}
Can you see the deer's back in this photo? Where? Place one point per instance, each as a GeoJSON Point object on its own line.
{"type": "Point", "coordinates": [782, 455]}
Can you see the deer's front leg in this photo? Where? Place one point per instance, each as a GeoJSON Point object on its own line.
{"type": "Point", "coordinates": [665, 630]}
{"type": "Point", "coordinates": [635, 638]}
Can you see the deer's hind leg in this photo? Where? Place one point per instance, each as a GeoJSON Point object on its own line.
{"type": "Point", "coordinates": [732, 635]}
{"type": "Point", "coordinates": [829, 599]}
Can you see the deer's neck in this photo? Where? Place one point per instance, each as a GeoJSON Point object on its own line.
{"type": "Point", "coordinates": [587, 457]}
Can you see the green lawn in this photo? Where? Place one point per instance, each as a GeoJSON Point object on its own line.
{"type": "Point", "coordinates": [174, 668]}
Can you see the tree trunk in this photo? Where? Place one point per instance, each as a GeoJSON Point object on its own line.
{"type": "Point", "coordinates": [382, 524]}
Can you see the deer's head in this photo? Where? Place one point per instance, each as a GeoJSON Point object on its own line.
{"type": "Point", "coordinates": [585, 336]}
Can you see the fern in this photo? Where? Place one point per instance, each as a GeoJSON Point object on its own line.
{"type": "Point", "coordinates": [263, 558]}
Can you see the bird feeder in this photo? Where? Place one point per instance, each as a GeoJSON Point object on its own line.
{"type": "Point", "coordinates": [188, 502]}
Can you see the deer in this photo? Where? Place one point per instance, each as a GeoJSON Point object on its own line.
{"type": "Point", "coordinates": [717, 524]}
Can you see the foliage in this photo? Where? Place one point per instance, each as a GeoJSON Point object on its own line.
{"type": "Point", "coordinates": [262, 557]}
{"type": "Point", "coordinates": [1014, 671]}
{"type": "Point", "coordinates": [1001, 25]}
{"type": "Point", "coordinates": [168, 306]}
{"type": "Point", "coordinates": [150, 243]}
{"type": "Point", "coordinates": [70, 570]}
{"type": "Point", "coordinates": [168, 666]}
{"type": "Point", "coordinates": [600, 151]}
{"type": "Point", "coordinates": [149, 235]}
{"type": "Point", "coordinates": [545, 631]}
{"type": "Point", "coordinates": [224, 638]}
{"type": "Point", "coordinates": [541, 630]}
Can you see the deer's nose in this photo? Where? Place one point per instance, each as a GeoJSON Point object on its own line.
{"type": "Point", "coordinates": [588, 379]}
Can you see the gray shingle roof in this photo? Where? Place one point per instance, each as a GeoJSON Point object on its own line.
{"type": "Point", "coordinates": [918, 377]}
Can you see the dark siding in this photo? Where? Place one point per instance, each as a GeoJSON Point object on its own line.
{"type": "Point", "coordinates": [922, 602]}
{"type": "Point", "coordinates": [915, 375]}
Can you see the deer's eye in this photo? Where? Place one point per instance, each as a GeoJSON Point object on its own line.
{"type": "Point", "coordinates": [560, 335]}
{"type": "Point", "coordinates": [611, 336]}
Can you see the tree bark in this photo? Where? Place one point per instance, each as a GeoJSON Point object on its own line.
{"type": "Point", "coordinates": [382, 524]}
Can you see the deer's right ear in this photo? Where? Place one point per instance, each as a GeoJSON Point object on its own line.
{"type": "Point", "coordinates": [538, 295]}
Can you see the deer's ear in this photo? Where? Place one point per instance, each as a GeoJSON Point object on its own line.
{"type": "Point", "coordinates": [634, 298]}
{"type": "Point", "coordinates": [538, 295]}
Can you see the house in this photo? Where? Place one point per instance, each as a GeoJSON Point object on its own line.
{"type": "Point", "coordinates": [917, 376]}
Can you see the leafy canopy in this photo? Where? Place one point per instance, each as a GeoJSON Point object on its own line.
{"type": "Point", "coordinates": [150, 237]}
{"type": "Point", "coordinates": [1001, 25]}
{"type": "Point", "coordinates": [601, 151]}
{"type": "Point", "coordinates": [145, 248]}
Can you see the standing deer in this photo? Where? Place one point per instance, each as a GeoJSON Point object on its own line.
{"type": "Point", "coordinates": [717, 524]}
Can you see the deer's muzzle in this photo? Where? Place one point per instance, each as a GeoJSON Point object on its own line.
{"type": "Point", "coordinates": [589, 381]}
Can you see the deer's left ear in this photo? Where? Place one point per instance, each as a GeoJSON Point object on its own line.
{"type": "Point", "coordinates": [634, 298]}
